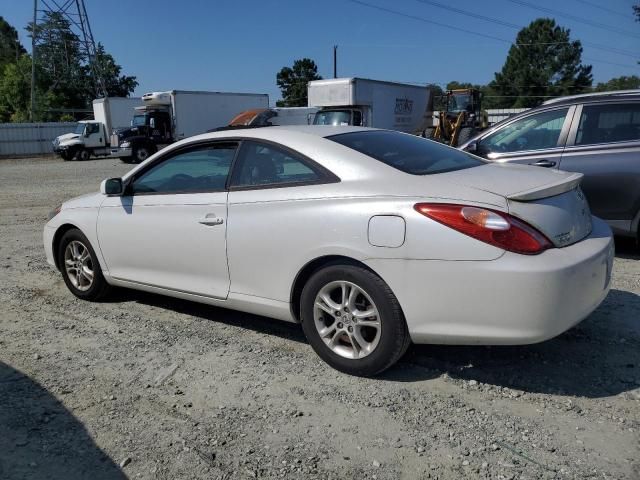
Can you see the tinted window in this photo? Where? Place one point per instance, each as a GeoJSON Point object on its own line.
{"type": "Point", "coordinates": [407, 153]}
{"type": "Point", "coordinates": [609, 123]}
{"type": "Point", "coordinates": [202, 169]}
{"type": "Point", "coordinates": [534, 132]}
{"type": "Point", "coordinates": [260, 164]}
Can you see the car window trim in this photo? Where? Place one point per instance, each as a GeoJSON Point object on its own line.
{"type": "Point", "coordinates": [325, 176]}
{"type": "Point", "coordinates": [178, 151]}
{"type": "Point", "coordinates": [562, 138]}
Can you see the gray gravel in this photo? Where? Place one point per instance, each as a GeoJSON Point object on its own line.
{"type": "Point", "coordinates": [144, 386]}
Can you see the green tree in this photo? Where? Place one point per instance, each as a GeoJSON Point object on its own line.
{"type": "Point", "coordinates": [293, 82]}
{"type": "Point", "coordinates": [10, 47]}
{"type": "Point", "coordinates": [619, 83]}
{"type": "Point", "coordinates": [542, 62]}
{"type": "Point", "coordinates": [117, 85]}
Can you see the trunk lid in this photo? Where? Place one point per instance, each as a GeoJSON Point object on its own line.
{"type": "Point", "coordinates": [549, 200]}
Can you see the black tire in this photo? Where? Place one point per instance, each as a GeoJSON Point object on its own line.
{"type": "Point", "coordinates": [65, 155]}
{"type": "Point", "coordinates": [141, 153]}
{"type": "Point", "coordinates": [394, 336]}
{"type": "Point", "coordinates": [428, 133]}
{"type": "Point", "coordinates": [465, 134]}
{"type": "Point", "coordinates": [99, 288]}
{"type": "Point", "coordinates": [126, 159]}
{"type": "Point", "coordinates": [82, 154]}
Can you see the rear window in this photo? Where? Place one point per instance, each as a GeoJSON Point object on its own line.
{"type": "Point", "coordinates": [408, 153]}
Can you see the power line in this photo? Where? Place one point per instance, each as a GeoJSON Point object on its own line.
{"type": "Point", "coordinates": [471, 32]}
{"type": "Point", "coordinates": [595, 5]}
{"type": "Point", "coordinates": [519, 27]}
{"type": "Point", "coordinates": [586, 21]}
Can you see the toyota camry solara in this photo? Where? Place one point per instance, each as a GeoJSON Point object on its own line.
{"type": "Point", "coordinates": [371, 239]}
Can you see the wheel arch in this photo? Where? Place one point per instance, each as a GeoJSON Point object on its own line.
{"type": "Point", "coordinates": [313, 266]}
{"type": "Point", "coordinates": [57, 237]}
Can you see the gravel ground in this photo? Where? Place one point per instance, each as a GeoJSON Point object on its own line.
{"type": "Point", "coordinates": [144, 386]}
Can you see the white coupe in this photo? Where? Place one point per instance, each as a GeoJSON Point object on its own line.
{"type": "Point", "coordinates": [371, 239]}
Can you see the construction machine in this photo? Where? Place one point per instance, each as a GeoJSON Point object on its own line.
{"type": "Point", "coordinates": [461, 118]}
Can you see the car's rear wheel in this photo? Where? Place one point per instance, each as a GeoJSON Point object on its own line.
{"type": "Point", "coordinates": [80, 268]}
{"type": "Point", "coordinates": [353, 320]}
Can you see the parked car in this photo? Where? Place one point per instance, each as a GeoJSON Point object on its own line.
{"type": "Point", "coordinates": [370, 238]}
{"type": "Point", "coordinates": [594, 134]}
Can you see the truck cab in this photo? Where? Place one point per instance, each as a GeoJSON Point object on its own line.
{"type": "Point", "coordinates": [88, 136]}
{"type": "Point", "coordinates": [341, 116]}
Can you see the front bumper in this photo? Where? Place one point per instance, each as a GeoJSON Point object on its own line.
{"type": "Point", "coordinates": [47, 240]}
{"type": "Point", "coordinates": [515, 299]}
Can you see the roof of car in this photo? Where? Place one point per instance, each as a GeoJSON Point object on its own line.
{"type": "Point", "coordinates": [316, 130]}
{"type": "Point", "coordinates": [595, 96]}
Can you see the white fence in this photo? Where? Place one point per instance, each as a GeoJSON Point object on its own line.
{"type": "Point", "coordinates": [498, 114]}
{"type": "Point", "coordinates": [18, 139]}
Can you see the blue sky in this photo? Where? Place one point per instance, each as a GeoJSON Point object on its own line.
{"type": "Point", "coordinates": [240, 45]}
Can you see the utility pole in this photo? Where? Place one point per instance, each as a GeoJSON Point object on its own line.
{"type": "Point", "coordinates": [75, 14]}
{"type": "Point", "coordinates": [33, 60]}
{"type": "Point", "coordinates": [335, 61]}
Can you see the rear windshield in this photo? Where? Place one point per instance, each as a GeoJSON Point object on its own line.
{"type": "Point", "coordinates": [408, 153]}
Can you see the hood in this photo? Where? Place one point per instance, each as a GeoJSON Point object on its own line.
{"type": "Point", "coordinates": [67, 137]}
{"type": "Point", "coordinates": [87, 200]}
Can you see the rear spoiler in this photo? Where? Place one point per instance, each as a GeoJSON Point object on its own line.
{"type": "Point", "coordinates": [562, 185]}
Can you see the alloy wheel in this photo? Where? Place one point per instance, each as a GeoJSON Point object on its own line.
{"type": "Point", "coordinates": [78, 265]}
{"type": "Point", "coordinates": [347, 319]}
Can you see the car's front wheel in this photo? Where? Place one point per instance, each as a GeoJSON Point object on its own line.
{"type": "Point", "coordinates": [80, 268]}
{"type": "Point", "coordinates": [353, 320]}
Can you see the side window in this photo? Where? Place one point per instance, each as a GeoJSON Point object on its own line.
{"type": "Point", "coordinates": [608, 123]}
{"type": "Point", "coordinates": [263, 165]}
{"type": "Point", "coordinates": [534, 132]}
{"type": "Point", "coordinates": [357, 118]}
{"type": "Point", "coordinates": [92, 128]}
{"type": "Point", "coordinates": [201, 169]}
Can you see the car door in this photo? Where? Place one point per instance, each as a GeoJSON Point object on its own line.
{"type": "Point", "coordinates": [604, 144]}
{"type": "Point", "coordinates": [275, 197]}
{"type": "Point", "coordinates": [169, 229]}
{"type": "Point", "coordinates": [534, 139]}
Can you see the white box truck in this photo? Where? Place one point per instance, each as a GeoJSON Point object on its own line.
{"type": "Point", "coordinates": [93, 137]}
{"type": "Point", "coordinates": [166, 117]}
{"type": "Point", "coordinates": [370, 103]}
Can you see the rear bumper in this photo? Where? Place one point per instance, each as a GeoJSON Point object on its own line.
{"type": "Point", "coordinates": [515, 299]}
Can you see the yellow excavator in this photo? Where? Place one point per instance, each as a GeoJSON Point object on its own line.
{"type": "Point", "coordinates": [461, 119]}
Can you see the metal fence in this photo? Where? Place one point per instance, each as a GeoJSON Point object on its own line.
{"type": "Point", "coordinates": [498, 114]}
{"type": "Point", "coordinates": [19, 139]}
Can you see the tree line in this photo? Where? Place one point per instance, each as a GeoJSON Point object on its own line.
{"type": "Point", "coordinates": [64, 83]}
{"type": "Point", "coordinates": [542, 63]}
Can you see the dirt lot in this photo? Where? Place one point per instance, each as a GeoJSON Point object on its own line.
{"type": "Point", "coordinates": [149, 387]}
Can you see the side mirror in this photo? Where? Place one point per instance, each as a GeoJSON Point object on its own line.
{"type": "Point", "coordinates": [85, 132]}
{"type": "Point", "coordinates": [152, 123]}
{"type": "Point", "coordinates": [112, 187]}
{"type": "Point", "coordinates": [472, 147]}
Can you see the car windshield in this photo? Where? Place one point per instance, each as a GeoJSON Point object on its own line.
{"type": "Point", "coordinates": [138, 120]}
{"type": "Point", "coordinates": [408, 153]}
{"type": "Point", "coordinates": [80, 129]}
{"type": "Point", "coordinates": [333, 117]}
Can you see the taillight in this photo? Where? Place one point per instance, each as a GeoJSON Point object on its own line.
{"type": "Point", "coordinates": [496, 228]}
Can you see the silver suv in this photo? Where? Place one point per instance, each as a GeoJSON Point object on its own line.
{"type": "Point", "coordinates": [596, 134]}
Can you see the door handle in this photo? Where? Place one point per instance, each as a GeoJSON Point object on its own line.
{"type": "Point", "coordinates": [544, 163]}
{"type": "Point", "coordinates": [211, 220]}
